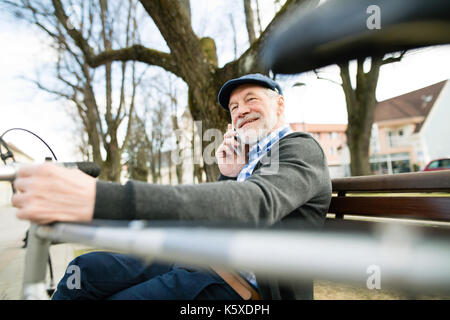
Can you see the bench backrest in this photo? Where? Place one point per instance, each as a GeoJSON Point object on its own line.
{"type": "Point", "coordinates": [420, 195]}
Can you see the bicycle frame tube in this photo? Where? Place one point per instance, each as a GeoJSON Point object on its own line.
{"type": "Point", "coordinates": [36, 258]}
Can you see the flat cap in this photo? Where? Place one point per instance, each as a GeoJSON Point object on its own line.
{"type": "Point", "coordinates": [255, 78]}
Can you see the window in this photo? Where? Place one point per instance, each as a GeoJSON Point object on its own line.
{"type": "Point", "coordinates": [445, 163]}
{"type": "Point", "coordinates": [434, 164]}
{"type": "Point", "coordinates": [331, 151]}
{"type": "Point", "coordinates": [391, 139]}
{"type": "Point", "coordinates": [440, 164]}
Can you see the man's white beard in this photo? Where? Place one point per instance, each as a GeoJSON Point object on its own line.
{"type": "Point", "coordinates": [254, 134]}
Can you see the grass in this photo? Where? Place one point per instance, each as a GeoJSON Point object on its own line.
{"type": "Point", "coordinates": [327, 290]}
{"type": "Point", "coordinates": [381, 194]}
{"type": "Point", "coordinates": [80, 252]}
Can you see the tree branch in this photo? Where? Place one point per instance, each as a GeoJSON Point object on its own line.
{"type": "Point", "coordinates": [249, 21]}
{"type": "Point", "coordinates": [131, 110]}
{"type": "Point", "coordinates": [48, 90]}
{"type": "Point", "coordinates": [258, 17]}
{"type": "Point", "coordinates": [393, 59]}
{"type": "Point", "coordinates": [173, 22]}
{"type": "Point", "coordinates": [248, 62]}
{"type": "Point", "coordinates": [347, 87]}
{"type": "Point", "coordinates": [320, 78]}
{"type": "Point", "coordinates": [135, 52]}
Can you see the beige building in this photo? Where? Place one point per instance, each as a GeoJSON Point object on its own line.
{"type": "Point", "coordinates": [408, 131]}
{"type": "Point", "coordinates": [333, 141]}
{"type": "Point", "coordinates": [5, 187]}
{"type": "Point", "coordinates": [411, 129]}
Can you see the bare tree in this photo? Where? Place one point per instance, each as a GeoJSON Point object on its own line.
{"type": "Point", "coordinates": [156, 115]}
{"type": "Point", "coordinates": [101, 114]}
{"type": "Point", "coordinates": [361, 102]}
{"type": "Point", "coordinates": [139, 151]}
{"type": "Point", "coordinates": [166, 90]}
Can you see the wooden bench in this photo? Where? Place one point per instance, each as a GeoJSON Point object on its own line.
{"type": "Point", "coordinates": [421, 196]}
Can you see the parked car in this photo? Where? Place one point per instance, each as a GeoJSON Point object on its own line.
{"type": "Point", "coordinates": [438, 164]}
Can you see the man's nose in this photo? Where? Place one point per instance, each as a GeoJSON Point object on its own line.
{"type": "Point", "coordinates": [243, 110]}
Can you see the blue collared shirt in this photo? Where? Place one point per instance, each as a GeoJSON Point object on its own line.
{"type": "Point", "coordinates": [259, 149]}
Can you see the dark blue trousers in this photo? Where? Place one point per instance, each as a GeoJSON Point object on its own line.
{"type": "Point", "coordinates": [105, 275]}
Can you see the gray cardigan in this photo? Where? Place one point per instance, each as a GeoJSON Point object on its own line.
{"type": "Point", "coordinates": [299, 188]}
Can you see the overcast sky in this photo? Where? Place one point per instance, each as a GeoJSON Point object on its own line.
{"type": "Point", "coordinates": [320, 101]}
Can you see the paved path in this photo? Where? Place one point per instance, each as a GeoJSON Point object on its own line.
{"type": "Point", "coordinates": [12, 255]}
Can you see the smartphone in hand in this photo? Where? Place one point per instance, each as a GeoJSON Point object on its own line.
{"type": "Point", "coordinates": [237, 150]}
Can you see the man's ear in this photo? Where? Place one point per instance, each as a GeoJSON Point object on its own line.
{"type": "Point", "coordinates": [280, 105]}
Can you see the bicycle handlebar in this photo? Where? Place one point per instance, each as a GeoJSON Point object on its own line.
{"type": "Point", "coordinates": [9, 172]}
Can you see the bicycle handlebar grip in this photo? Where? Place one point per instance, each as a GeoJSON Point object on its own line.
{"type": "Point", "coordinates": [90, 168]}
{"type": "Point", "coordinates": [9, 172]}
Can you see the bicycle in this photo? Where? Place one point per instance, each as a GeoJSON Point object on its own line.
{"type": "Point", "coordinates": [9, 172]}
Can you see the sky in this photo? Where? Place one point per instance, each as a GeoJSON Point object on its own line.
{"type": "Point", "coordinates": [23, 49]}
{"type": "Point", "coordinates": [322, 101]}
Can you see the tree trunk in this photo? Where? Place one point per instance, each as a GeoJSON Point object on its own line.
{"type": "Point", "coordinates": [179, 164]}
{"type": "Point", "coordinates": [168, 156]}
{"type": "Point", "coordinates": [361, 103]}
{"type": "Point", "coordinates": [210, 118]}
{"type": "Point", "coordinates": [359, 150]}
{"type": "Point", "coordinates": [140, 171]}
{"type": "Point", "coordinates": [158, 171]}
{"type": "Point", "coordinates": [153, 170]}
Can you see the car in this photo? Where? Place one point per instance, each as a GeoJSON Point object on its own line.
{"type": "Point", "coordinates": [438, 164]}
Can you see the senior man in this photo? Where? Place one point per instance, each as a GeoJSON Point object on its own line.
{"type": "Point", "coordinates": [269, 175]}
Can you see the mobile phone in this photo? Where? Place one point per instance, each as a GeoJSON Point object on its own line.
{"type": "Point", "coordinates": [237, 149]}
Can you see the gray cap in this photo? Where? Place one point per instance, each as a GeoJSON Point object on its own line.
{"type": "Point", "coordinates": [255, 78]}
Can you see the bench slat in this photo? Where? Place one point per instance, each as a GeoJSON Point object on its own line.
{"type": "Point", "coordinates": [436, 208]}
{"type": "Point", "coordinates": [433, 181]}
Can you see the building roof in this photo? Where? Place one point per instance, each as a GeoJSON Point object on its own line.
{"type": "Point", "coordinates": [15, 150]}
{"type": "Point", "coordinates": [417, 103]}
{"type": "Point", "coordinates": [313, 127]}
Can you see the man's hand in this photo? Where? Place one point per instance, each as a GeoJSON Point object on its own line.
{"type": "Point", "coordinates": [230, 164]}
{"type": "Point", "coordinates": [47, 193]}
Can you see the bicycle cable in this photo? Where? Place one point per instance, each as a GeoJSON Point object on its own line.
{"type": "Point", "coordinates": [9, 154]}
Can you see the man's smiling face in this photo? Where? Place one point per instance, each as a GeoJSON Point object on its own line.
{"type": "Point", "coordinates": [254, 112]}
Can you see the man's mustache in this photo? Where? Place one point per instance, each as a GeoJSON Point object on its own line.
{"type": "Point", "coordinates": [252, 116]}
